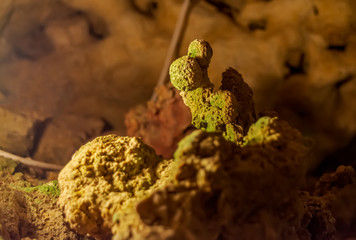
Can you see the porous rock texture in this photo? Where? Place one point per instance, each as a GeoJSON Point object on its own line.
{"type": "Point", "coordinates": [118, 187]}
{"type": "Point", "coordinates": [213, 189]}
{"type": "Point", "coordinates": [230, 110]}
{"type": "Point", "coordinates": [324, 207]}
{"type": "Point", "coordinates": [218, 189]}
{"type": "Point", "coordinates": [104, 180]}
{"type": "Point", "coordinates": [252, 187]}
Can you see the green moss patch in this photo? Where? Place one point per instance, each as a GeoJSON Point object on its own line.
{"type": "Point", "coordinates": [51, 188]}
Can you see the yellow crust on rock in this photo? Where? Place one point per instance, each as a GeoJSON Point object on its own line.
{"type": "Point", "coordinates": [105, 175]}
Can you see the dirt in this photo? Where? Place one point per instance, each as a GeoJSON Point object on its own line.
{"type": "Point", "coordinates": [30, 212]}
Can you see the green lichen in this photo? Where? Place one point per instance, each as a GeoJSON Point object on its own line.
{"type": "Point", "coordinates": [186, 146]}
{"type": "Point", "coordinates": [262, 132]}
{"type": "Point", "coordinates": [186, 74]}
{"type": "Point", "coordinates": [211, 111]}
{"type": "Point", "coordinates": [275, 133]}
{"type": "Point", "coordinates": [201, 51]}
{"type": "Point", "coordinates": [232, 132]}
{"type": "Point", "coordinates": [51, 189]}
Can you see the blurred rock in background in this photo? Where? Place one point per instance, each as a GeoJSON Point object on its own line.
{"type": "Point", "coordinates": [161, 123]}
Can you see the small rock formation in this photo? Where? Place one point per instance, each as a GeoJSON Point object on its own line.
{"type": "Point", "coordinates": [103, 182]}
{"type": "Point", "coordinates": [222, 190]}
{"type": "Point", "coordinates": [229, 110]}
{"type": "Point", "coordinates": [232, 179]}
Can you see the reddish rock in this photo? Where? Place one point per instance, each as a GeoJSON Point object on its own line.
{"type": "Point", "coordinates": [162, 123]}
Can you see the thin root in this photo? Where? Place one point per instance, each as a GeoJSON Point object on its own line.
{"type": "Point", "coordinates": [31, 162]}
{"type": "Point", "coordinates": [174, 45]}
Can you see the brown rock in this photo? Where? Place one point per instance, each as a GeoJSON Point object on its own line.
{"type": "Point", "coordinates": [64, 134]}
{"type": "Point", "coordinates": [329, 213]}
{"type": "Point", "coordinates": [117, 172]}
{"type": "Point", "coordinates": [162, 123]}
{"type": "Point", "coordinates": [17, 132]}
{"type": "Point", "coordinates": [344, 210]}
{"type": "Point", "coordinates": [318, 221]}
{"type": "Point", "coordinates": [233, 81]}
{"type": "Point", "coordinates": [222, 191]}
{"type": "Point", "coordinates": [331, 182]}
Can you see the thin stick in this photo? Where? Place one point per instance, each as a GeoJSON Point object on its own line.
{"type": "Point", "coordinates": [175, 42]}
{"type": "Point", "coordinates": [31, 162]}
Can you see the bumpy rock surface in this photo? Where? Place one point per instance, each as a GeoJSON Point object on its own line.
{"type": "Point", "coordinates": [221, 190]}
{"type": "Point", "coordinates": [229, 110]}
{"type": "Point", "coordinates": [217, 187]}
{"type": "Point", "coordinates": [198, 195]}
{"type": "Point", "coordinates": [329, 212]}
{"type": "Point", "coordinates": [104, 180]}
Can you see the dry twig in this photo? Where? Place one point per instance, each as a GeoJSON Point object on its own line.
{"type": "Point", "coordinates": [30, 161]}
{"type": "Point", "coordinates": [175, 41]}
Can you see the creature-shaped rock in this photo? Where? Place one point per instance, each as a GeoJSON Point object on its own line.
{"type": "Point", "coordinates": [229, 110]}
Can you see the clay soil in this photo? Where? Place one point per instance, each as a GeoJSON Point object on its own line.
{"type": "Point", "coordinates": [27, 213]}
